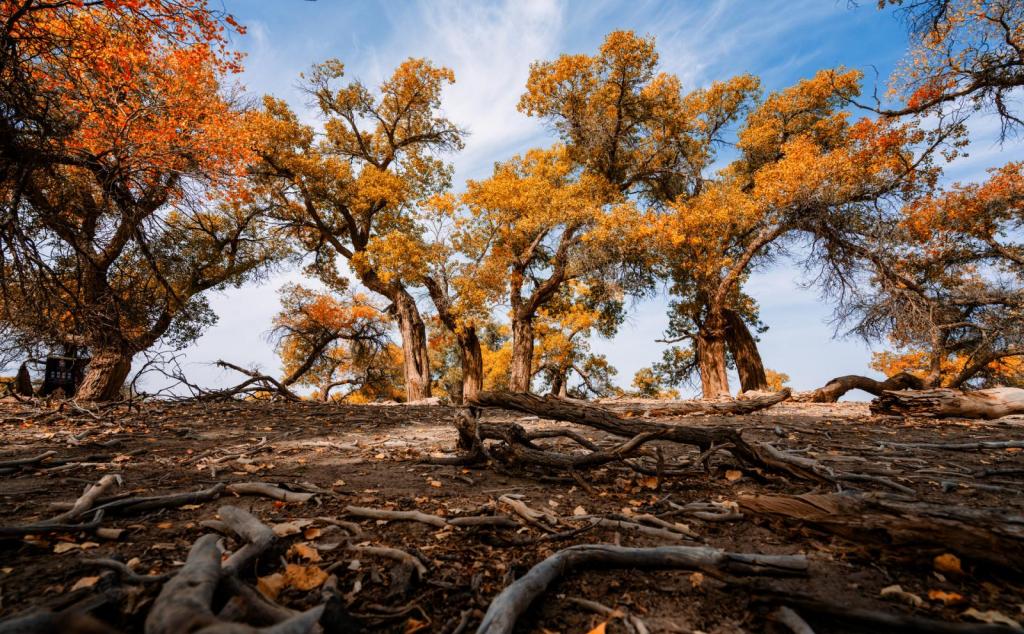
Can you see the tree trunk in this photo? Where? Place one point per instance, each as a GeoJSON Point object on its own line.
{"type": "Point", "coordinates": [23, 382]}
{"type": "Point", "coordinates": [711, 342]}
{"type": "Point", "coordinates": [105, 375]}
{"type": "Point", "coordinates": [744, 352]}
{"type": "Point", "coordinates": [522, 355]}
{"type": "Point", "coordinates": [472, 363]}
{"type": "Point", "coordinates": [416, 361]}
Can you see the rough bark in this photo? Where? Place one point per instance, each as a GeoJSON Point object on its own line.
{"type": "Point", "coordinates": [714, 381]}
{"type": "Point", "coordinates": [689, 408]}
{"type": "Point", "coordinates": [522, 354]}
{"type": "Point", "coordinates": [105, 375]}
{"type": "Point", "coordinates": [472, 363]}
{"type": "Point", "coordinates": [837, 387]}
{"type": "Point", "coordinates": [948, 403]}
{"type": "Point", "coordinates": [744, 351]}
{"type": "Point", "coordinates": [416, 359]}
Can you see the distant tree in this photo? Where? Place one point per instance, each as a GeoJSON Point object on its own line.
{"type": "Point", "coordinates": [327, 341]}
{"type": "Point", "coordinates": [352, 191]}
{"type": "Point", "coordinates": [121, 155]}
{"type": "Point", "coordinates": [776, 380]}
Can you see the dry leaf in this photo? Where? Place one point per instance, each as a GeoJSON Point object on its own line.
{"type": "Point", "coordinates": [64, 547]}
{"type": "Point", "coordinates": [311, 533]}
{"type": "Point", "coordinates": [696, 579]}
{"type": "Point", "coordinates": [295, 527]}
{"type": "Point", "coordinates": [599, 629]}
{"type": "Point", "coordinates": [947, 598]}
{"type": "Point", "coordinates": [990, 616]}
{"type": "Point", "coordinates": [436, 484]}
{"type": "Point", "coordinates": [948, 563]}
{"type": "Point", "coordinates": [651, 482]}
{"type": "Point", "coordinates": [84, 582]}
{"type": "Point", "coordinates": [897, 592]}
{"type": "Point", "coordinates": [733, 475]}
{"type": "Point", "coordinates": [579, 510]}
{"type": "Point", "coordinates": [305, 551]}
{"type": "Point", "coordinates": [165, 525]}
{"type": "Point", "coordinates": [414, 625]}
{"type": "Point", "coordinates": [304, 577]}
{"type": "Point", "coordinates": [270, 585]}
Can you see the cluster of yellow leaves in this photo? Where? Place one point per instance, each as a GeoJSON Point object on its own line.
{"type": "Point", "coordinates": [1008, 371]}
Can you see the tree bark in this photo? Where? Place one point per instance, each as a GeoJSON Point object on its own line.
{"type": "Point", "coordinates": [745, 353]}
{"type": "Point", "coordinates": [105, 375]}
{"type": "Point", "coordinates": [522, 354]}
{"type": "Point", "coordinates": [472, 363]}
{"type": "Point", "coordinates": [714, 381]}
{"type": "Point", "coordinates": [943, 403]}
{"type": "Point", "coordinates": [837, 387]}
{"type": "Point", "coordinates": [416, 360]}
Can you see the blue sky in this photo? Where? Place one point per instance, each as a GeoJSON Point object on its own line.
{"type": "Point", "coordinates": [490, 46]}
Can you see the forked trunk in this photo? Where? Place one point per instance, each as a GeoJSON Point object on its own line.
{"type": "Point", "coordinates": [105, 375]}
{"type": "Point", "coordinates": [522, 355]}
{"type": "Point", "coordinates": [472, 363]}
{"type": "Point", "coordinates": [744, 352]}
{"type": "Point", "coordinates": [415, 359]}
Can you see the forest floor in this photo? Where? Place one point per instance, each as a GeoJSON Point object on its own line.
{"type": "Point", "coordinates": [371, 456]}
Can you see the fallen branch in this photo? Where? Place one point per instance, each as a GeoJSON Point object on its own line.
{"type": "Point", "coordinates": [408, 516]}
{"type": "Point", "coordinates": [514, 600]}
{"type": "Point", "coordinates": [268, 490]}
{"type": "Point", "coordinates": [689, 408]}
{"type": "Point", "coordinates": [258, 537]}
{"type": "Point", "coordinates": [832, 391]}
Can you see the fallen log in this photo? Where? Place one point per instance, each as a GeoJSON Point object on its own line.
{"type": "Point", "coordinates": [839, 386]}
{"type": "Point", "coordinates": [690, 408]}
{"type": "Point", "coordinates": [947, 403]}
{"type": "Point", "coordinates": [514, 600]}
{"type": "Point", "coordinates": [993, 539]}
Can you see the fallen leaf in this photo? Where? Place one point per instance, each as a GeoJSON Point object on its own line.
{"type": "Point", "coordinates": [414, 625]}
{"type": "Point", "coordinates": [948, 563]}
{"type": "Point", "coordinates": [436, 484]}
{"type": "Point", "coordinates": [579, 510]}
{"type": "Point", "coordinates": [651, 482]}
{"type": "Point", "coordinates": [84, 582]}
{"type": "Point", "coordinates": [990, 616]}
{"type": "Point", "coordinates": [304, 577]}
{"type": "Point", "coordinates": [696, 579]}
{"type": "Point", "coordinates": [733, 475]}
{"type": "Point", "coordinates": [270, 585]}
{"type": "Point", "coordinates": [165, 525]}
{"type": "Point", "coordinates": [897, 592]}
{"type": "Point", "coordinates": [64, 547]}
{"type": "Point", "coordinates": [947, 598]}
{"type": "Point", "coordinates": [311, 533]}
{"type": "Point", "coordinates": [305, 551]}
{"type": "Point", "coordinates": [191, 507]}
{"type": "Point", "coordinates": [294, 527]}
{"type": "Point", "coordinates": [599, 629]}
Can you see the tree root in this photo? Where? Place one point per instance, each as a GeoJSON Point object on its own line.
{"type": "Point", "coordinates": [514, 600]}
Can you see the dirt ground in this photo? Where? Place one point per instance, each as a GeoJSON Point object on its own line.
{"type": "Point", "coordinates": [371, 456]}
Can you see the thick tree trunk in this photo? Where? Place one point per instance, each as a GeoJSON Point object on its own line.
{"type": "Point", "coordinates": [105, 375]}
{"type": "Point", "coordinates": [522, 355]}
{"type": "Point", "coordinates": [416, 361]}
{"type": "Point", "coordinates": [472, 363]}
{"type": "Point", "coordinates": [837, 387]}
{"type": "Point", "coordinates": [714, 381]}
{"type": "Point", "coordinates": [744, 352]}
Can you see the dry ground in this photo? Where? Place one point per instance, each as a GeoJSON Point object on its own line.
{"type": "Point", "coordinates": [369, 456]}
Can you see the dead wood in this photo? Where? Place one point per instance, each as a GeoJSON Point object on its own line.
{"type": "Point", "coordinates": [409, 516]}
{"type": "Point", "coordinates": [752, 454]}
{"type": "Point", "coordinates": [140, 504]}
{"type": "Point", "coordinates": [86, 501]}
{"type": "Point", "coordinates": [391, 553]}
{"type": "Point", "coordinates": [256, 382]}
{"type": "Point", "coordinates": [268, 490]}
{"type": "Point", "coordinates": [995, 539]}
{"type": "Point", "coordinates": [183, 604]}
{"type": "Point", "coordinates": [24, 462]}
{"type": "Point", "coordinates": [839, 386]}
{"type": "Point", "coordinates": [514, 600]}
{"type": "Point", "coordinates": [792, 620]}
{"type": "Point", "coordinates": [689, 408]}
{"type": "Point", "coordinates": [947, 403]}
{"type": "Point", "coordinates": [258, 537]}
{"type": "Point", "coordinates": [124, 571]}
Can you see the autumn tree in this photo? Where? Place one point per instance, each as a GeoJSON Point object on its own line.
{"type": "Point", "coordinates": [122, 154]}
{"type": "Point", "coordinates": [327, 340]}
{"type": "Point", "coordinates": [948, 282]}
{"type": "Point", "coordinates": [349, 191]}
{"type": "Point", "coordinates": [563, 331]}
{"type": "Point", "coordinates": [536, 225]}
{"type": "Point", "coordinates": [964, 55]}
